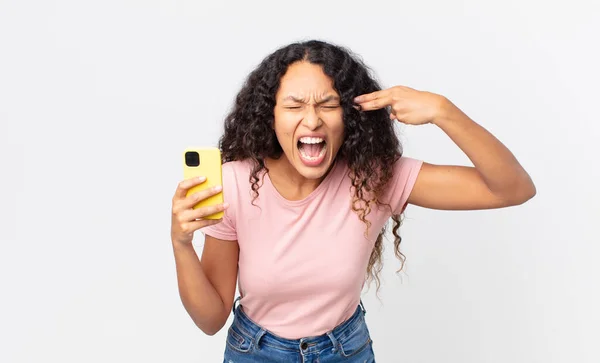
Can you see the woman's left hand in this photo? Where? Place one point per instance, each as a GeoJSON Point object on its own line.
{"type": "Point", "coordinates": [407, 105]}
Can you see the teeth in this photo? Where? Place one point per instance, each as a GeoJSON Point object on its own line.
{"type": "Point", "coordinates": [311, 140]}
{"type": "Point", "coordinates": [307, 157]}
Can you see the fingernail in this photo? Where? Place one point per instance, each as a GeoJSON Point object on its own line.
{"type": "Point", "coordinates": [225, 205]}
{"type": "Point", "coordinates": [202, 178]}
{"type": "Point", "coordinates": [218, 188]}
{"type": "Point", "coordinates": [357, 99]}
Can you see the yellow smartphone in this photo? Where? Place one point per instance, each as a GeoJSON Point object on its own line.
{"type": "Point", "coordinates": [204, 161]}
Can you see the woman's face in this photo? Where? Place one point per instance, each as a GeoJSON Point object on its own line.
{"type": "Point", "coordinates": [308, 119]}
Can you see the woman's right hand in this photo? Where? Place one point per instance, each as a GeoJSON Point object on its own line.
{"type": "Point", "coordinates": [184, 219]}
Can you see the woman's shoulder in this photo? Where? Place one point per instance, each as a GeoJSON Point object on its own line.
{"type": "Point", "coordinates": [404, 164]}
{"type": "Point", "coordinates": [238, 170]}
{"type": "Point", "coordinates": [237, 165]}
{"type": "Point", "coordinates": [244, 165]}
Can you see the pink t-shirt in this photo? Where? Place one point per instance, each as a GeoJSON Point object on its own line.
{"type": "Point", "coordinates": [302, 264]}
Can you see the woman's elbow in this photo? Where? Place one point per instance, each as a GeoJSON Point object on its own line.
{"type": "Point", "coordinates": [211, 328]}
{"type": "Point", "coordinates": [523, 193]}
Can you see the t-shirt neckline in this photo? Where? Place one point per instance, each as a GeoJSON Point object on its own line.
{"type": "Point", "coordinates": [318, 190]}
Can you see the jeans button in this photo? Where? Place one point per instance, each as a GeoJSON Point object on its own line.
{"type": "Point", "coordinates": [304, 345]}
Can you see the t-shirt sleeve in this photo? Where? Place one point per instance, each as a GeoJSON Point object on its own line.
{"type": "Point", "coordinates": [226, 230]}
{"type": "Point", "coordinates": [403, 180]}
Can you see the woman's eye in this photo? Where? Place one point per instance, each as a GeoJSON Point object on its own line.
{"type": "Point", "coordinates": [331, 106]}
{"type": "Point", "coordinates": [293, 107]}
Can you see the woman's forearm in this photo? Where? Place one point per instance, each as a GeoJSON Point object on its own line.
{"type": "Point", "coordinates": [199, 297]}
{"type": "Point", "coordinates": [498, 167]}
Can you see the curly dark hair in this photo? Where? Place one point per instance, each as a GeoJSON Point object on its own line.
{"type": "Point", "coordinates": [370, 146]}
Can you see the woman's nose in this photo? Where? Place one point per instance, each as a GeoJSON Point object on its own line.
{"type": "Point", "coordinates": [312, 120]}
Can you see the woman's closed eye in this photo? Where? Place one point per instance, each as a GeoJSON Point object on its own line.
{"type": "Point", "coordinates": [300, 107]}
{"type": "Point", "coordinates": [293, 106]}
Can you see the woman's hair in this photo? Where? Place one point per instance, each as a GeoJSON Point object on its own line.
{"type": "Point", "coordinates": [370, 145]}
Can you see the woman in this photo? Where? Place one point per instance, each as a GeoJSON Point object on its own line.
{"type": "Point", "coordinates": [312, 172]}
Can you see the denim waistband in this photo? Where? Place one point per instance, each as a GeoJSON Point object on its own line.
{"type": "Point", "coordinates": [307, 345]}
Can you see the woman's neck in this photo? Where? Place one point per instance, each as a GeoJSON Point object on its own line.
{"type": "Point", "coordinates": [288, 181]}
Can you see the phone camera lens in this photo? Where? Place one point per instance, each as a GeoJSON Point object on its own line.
{"type": "Point", "coordinates": [192, 158]}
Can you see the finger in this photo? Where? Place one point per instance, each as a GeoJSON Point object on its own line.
{"type": "Point", "coordinates": [393, 117]}
{"type": "Point", "coordinates": [204, 212]}
{"type": "Point", "coordinates": [190, 215]}
{"type": "Point", "coordinates": [193, 199]}
{"type": "Point", "coordinates": [186, 184]}
{"type": "Point", "coordinates": [193, 226]}
{"type": "Point", "coordinates": [376, 103]}
{"type": "Point", "coordinates": [370, 96]}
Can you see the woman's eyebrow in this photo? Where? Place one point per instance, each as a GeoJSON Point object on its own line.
{"type": "Point", "coordinates": [329, 99]}
{"type": "Point", "coordinates": [324, 100]}
{"type": "Point", "coordinates": [294, 99]}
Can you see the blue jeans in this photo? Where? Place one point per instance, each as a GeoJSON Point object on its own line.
{"type": "Point", "coordinates": [247, 342]}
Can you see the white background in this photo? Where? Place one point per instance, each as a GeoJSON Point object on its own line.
{"type": "Point", "coordinates": [99, 98]}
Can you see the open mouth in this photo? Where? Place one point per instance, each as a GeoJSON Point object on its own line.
{"type": "Point", "coordinates": [312, 150]}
